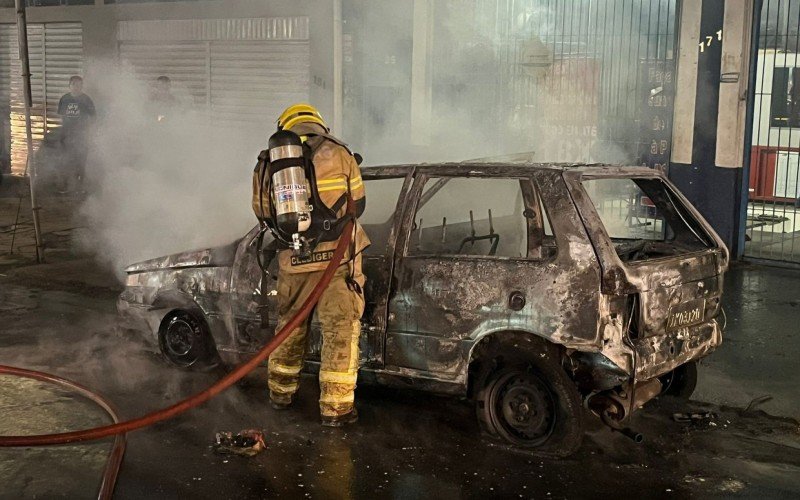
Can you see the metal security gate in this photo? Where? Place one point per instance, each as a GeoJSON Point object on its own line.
{"type": "Point", "coordinates": [773, 211]}
{"type": "Point", "coordinates": [56, 53]}
{"type": "Point", "coordinates": [252, 82]}
{"type": "Point", "coordinates": [242, 72]}
{"type": "Point", "coordinates": [572, 80]}
{"type": "Point", "coordinates": [557, 80]}
{"type": "Point", "coordinates": [8, 52]}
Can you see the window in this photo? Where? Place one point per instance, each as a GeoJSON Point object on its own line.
{"type": "Point", "coordinates": [382, 195]}
{"type": "Point", "coordinates": [644, 219]}
{"type": "Point", "coordinates": [785, 100]}
{"type": "Point", "coordinates": [472, 216]}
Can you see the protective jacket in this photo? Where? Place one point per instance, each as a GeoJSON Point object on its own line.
{"type": "Point", "coordinates": [335, 173]}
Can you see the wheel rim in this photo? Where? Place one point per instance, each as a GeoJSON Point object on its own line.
{"type": "Point", "coordinates": [524, 409]}
{"type": "Point", "coordinates": [179, 338]}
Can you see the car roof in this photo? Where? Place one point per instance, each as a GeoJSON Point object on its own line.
{"type": "Point", "coordinates": [469, 169]}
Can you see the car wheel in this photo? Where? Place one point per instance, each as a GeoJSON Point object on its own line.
{"type": "Point", "coordinates": [532, 404]}
{"type": "Point", "coordinates": [185, 341]}
{"type": "Point", "coordinates": [681, 381]}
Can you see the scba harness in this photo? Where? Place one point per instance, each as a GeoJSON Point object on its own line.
{"type": "Point", "coordinates": [298, 218]}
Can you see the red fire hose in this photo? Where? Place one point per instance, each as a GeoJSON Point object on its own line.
{"type": "Point", "coordinates": [117, 451]}
{"type": "Point", "coordinates": [197, 399]}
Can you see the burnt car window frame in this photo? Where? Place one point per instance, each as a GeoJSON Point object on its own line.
{"type": "Point", "coordinates": [678, 200]}
{"type": "Point", "coordinates": [407, 174]}
{"type": "Point", "coordinates": [530, 197]}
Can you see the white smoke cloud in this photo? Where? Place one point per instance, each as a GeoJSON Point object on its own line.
{"type": "Point", "coordinates": [158, 187]}
{"type": "Point", "coordinates": [164, 187]}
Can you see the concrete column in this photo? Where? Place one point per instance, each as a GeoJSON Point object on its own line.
{"type": "Point", "coordinates": [421, 86]}
{"type": "Point", "coordinates": [686, 82]}
{"type": "Point", "coordinates": [709, 122]}
{"type": "Point", "coordinates": [733, 82]}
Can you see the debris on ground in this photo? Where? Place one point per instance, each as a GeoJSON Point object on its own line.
{"type": "Point", "coordinates": [731, 486]}
{"type": "Point", "coordinates": [756, 402]}
{"type": "Point", "coordinates": [246, 443]}
{"type": "Point", "coordinates": [695, 417]}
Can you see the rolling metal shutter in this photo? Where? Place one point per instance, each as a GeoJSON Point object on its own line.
{"type": "Point", "coordinates": [252, 82]}
{"type": "Point", "coordinates": [62, 56]}
{"type": "Point", "coordinates": [184, 62]}
{"type": "Point", "coordinates": [56, 53]}
{"type": "Point", "coordinates": [8, 52]}
{"type": "Point", "coordinates": [243, 72]}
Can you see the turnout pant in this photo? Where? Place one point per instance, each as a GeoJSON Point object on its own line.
{"type": "Point", "coordinates": [339, 312]}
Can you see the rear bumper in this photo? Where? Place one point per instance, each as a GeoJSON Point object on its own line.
{"type": "Point", "coordinates": [661, 354]}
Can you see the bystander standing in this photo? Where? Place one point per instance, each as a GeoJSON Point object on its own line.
{"type": "Point", "coordinates": [78, 113]}
{"type": "Point", "coordinates": [163, 102]}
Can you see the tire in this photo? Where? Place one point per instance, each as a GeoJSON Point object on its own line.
{"type": "Point", "coordinates": [186, 342]}
{"type": "Point", "coordinates": [531, 404]}
{"type": "Point", "coordinates": [680, 382]}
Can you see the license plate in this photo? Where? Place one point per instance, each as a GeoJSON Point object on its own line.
{"type": "Point", "coordinates": [686, 314]}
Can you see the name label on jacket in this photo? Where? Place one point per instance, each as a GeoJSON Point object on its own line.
{"type": "Point", "coordinates": [314, 257]}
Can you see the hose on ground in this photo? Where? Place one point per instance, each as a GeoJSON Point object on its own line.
{"type": "Point", "coordinates": [120, 428]}
{"type": "Point", "coordinates": [114, 461]}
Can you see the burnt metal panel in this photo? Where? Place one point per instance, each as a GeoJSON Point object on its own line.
{"type": "Point", "coordinates": [442, 305]}
{"type": "Point", "coordinates": [221, 256]}
{"type": "Point", "coordinates": [661, 354]}
{"type": "Point", "coordinates": [151, 295]}
{"type": "Point", "coordinates": [656, 286]}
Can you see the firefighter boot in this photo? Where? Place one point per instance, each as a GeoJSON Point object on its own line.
{"type": "Point", "coordinates": [342, 420]}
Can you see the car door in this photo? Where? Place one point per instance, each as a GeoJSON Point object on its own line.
{"type": "Point", "coordinates": [249, 302]}
{"type": "Point", "coordinates": [386, 193]}
{"type": "Point", "coordinates": [473, 245]}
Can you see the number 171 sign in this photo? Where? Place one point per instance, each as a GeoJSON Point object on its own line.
{"type": "Point", "coordinates": [709, 39]}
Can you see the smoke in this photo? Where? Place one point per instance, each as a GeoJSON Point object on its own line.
{"type": "Point", "coordinates": [159, 187]}
{"type": "Point", "coordinates": [555, 80]}
{"type": "Point", "coordinates": [544, 79]}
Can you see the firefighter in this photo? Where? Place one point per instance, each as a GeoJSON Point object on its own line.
{"type": "Point", "coordinates": [331, 174]}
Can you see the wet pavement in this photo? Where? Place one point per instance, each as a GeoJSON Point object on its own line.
{"type": "Point", "coordinates": [60, 225]}
{"type": "Point", "coordinates": [761, 347]}
{"type": "Point", "coordinates": [406, 444]}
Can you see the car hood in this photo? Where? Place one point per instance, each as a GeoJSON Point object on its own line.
{"type": "Point", "coordinates": [221, 256]}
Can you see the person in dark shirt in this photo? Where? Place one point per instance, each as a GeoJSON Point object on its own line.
{"type": "Point", "coordinates": [77, 112]}
{"type": "Point", "coordinates": [162, 101]}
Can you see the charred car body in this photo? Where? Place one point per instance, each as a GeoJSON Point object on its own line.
{"type": "Point", "coordinates": [537, 290]}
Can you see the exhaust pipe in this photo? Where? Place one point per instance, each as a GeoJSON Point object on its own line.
{"type": "Point", "coordinates": [613, 407]}
{"type": "Point", "coordinates": [636, 437]}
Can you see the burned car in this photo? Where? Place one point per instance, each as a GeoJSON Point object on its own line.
{"type": "Point", "coordinates": [536, 290]}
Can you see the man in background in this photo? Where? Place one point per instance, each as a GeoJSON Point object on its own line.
{"type": "Point", "coordinates": [77, 113]}
{"type": "Point", "coordinates": [162, 100]}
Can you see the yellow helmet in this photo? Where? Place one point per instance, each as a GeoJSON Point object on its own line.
{"type": "Point", "coordinates": [299, 113]}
